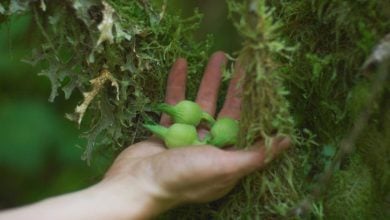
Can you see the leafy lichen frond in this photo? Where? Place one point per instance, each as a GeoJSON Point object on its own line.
{"type": "Point", "coordinates": [303, 78]}
{"type": "Point", "coordinates": [97, 85]}
{"type": "Point", "coordinates": [131, 44]}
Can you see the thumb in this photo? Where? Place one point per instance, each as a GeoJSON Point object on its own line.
{"type": "Point", "coordinates": [257, 156]}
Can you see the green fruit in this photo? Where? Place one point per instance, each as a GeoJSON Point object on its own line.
{"type": "Point", "coordinates": [224, 132]}
{"type": "Point", "coordinates": [186, 112]}
{"type": "Point", "coordinates": [178, 135]}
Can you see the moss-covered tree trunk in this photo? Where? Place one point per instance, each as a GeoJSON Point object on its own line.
{"type": "Point", "coordinates": [316, 71]}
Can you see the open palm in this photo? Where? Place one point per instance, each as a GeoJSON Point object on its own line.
{"type": "Point", "coordinates": [193, 173]}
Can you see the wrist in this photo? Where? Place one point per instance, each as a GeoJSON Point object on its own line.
{"type": "Point", "coordinates": [131, 198]}
{"type": "Point", "coordinates": [105, 200]}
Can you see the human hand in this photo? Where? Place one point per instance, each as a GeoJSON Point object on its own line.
{"type": "Point", "coordinates": [165, 178]}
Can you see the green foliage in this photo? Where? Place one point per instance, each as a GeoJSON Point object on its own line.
{"type": "Point", "coordinates": [352, 188]}
{"type": "Point", "coordinates": [265, 113]}
{"type": "Point", "coordinates": [357, 98]}
{"type": "Point", "coordinates": [89, 45]}
{"type": "Point", "coordinates": [303, 78]}
{"type": "Point", "coordinates": [265, 109]}
{"type": "Point", "coordinates": [334, 38]}
{"type": "Point", "coordinates": [372, 149]}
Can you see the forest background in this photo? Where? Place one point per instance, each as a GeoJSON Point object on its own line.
{"type": "Point", "coordinates": [317, 72]}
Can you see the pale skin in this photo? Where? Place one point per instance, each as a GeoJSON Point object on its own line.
{"type": "Point", "coordinates": [146, 179]}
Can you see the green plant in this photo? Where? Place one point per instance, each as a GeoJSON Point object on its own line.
{"type": "Point", "coordinates": [177, 135]}
{"type": "Point", "coordinates": [108, 51]}
{"type": "Point", "coordinates": [187, 115]}
{"type": "Point", "coordinates": [186, 112]}
{"type": "Point", "coordinates": [224, 132]}
{"type": "Point", "coordinates": [303, 78]}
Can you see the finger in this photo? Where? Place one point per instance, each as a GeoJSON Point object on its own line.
{"type": "Point", "coordinates": [232, 106]}
{"type": "Point", "coordinates": [243, 162]}
{"type": "Point", "coordinates": [208, 90]}
{"type": "Point", "coordinates": [176, 86]}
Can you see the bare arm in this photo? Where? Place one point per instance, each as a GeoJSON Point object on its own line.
{"type": "Point", "coordinates": [101, 201]}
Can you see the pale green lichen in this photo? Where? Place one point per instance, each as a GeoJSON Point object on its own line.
{"type": "Point", "coordinates": [303, 62]}
{"type": "Point", "coordinates": [133, 41]}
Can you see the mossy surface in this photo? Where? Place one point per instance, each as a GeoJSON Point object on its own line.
{"type": "Point", "coordinates": [118, 55]}
{"type": "Point", "coordinates": [304, 79]}
{"type": "Point", "coordinates": [307, 82]}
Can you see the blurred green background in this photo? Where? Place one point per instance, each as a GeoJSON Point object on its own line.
{"type": "Point", "coordinates": [40, 150]}
{"type": "Point", "coordinates": [39, 156]}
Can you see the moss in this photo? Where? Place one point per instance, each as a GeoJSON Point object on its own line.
{"type": "Point", "coordinates": [372, 147]}
{"type": "Point", "coordinates": [135, 42]}
{"type": "Point", "coordinates": [303, 62]}
{"type": "Point", "coordinates": [265, 110]}
{"type": "Point", "coordinates": [352, 188]}
{"type": "Point", "coordinates": [319, 83]}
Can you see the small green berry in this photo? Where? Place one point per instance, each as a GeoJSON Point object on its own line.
{"type": "Point", "coordinates": [224, 132]}
{"type": "Point", "coordinates": [178, 135]}
{"type": "Point", "coordinates": [186, 112]}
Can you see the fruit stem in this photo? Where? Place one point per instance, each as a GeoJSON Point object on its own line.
{"type": "Point", "coordinates": [158, 130]}
{"type": "Point", "coordinates": [207, 117]}
{"type": "Point", "coordinates": [168, 109]}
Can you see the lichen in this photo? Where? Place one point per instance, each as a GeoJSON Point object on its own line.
{"type": "Point", "coordinates": [132, 41]}
{"type": "Point", "coordinates": [309, 74]}
{"type": "Point", "coordinates": [321, 84]}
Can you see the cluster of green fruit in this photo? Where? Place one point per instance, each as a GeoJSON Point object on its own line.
{"type": "Point", "coordinates": [186, 116]}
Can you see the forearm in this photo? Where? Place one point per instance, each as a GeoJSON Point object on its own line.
{"type": "Point", "coordinates": [101, 201]}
